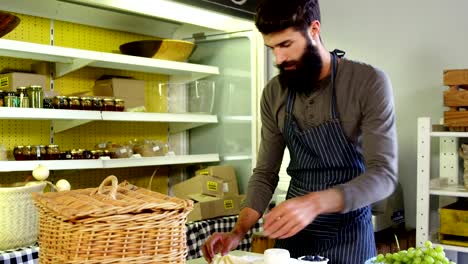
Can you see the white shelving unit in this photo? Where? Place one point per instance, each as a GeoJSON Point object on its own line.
{"type": "Point", "coordinates": [443, 185]}
{"type": "Point", "coordinates": [29, 165]}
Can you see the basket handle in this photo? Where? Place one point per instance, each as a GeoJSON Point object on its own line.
{"type": "Point", "coordinates": [109, 179]}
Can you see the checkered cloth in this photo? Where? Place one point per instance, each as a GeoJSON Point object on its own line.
{"type": "Point", "coordinates": [27, 255]}
{"type": "Point", "coordinates": [198, 233]}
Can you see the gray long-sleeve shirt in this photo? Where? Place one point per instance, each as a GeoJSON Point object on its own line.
{"type": "Point", "coordinates": [366, 110]}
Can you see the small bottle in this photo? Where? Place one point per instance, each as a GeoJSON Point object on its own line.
{"type": "Point", "coordinates": [74, 102]}
{"type": "Point", "coordinates": [119, 105]}
{"type": "Point", "coordinates": [108, 104]}
{"type": "Point", "coordinates": [86, 103]}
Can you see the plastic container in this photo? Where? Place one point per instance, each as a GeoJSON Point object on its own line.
{"type": "Point", "coordinates": [313, 260]}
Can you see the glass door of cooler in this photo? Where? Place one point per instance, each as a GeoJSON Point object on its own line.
{"type": "Point", "coordinates": [235, 101]}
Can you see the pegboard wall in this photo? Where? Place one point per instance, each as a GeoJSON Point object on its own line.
{"type": "Point", "coordinates": [19, 132]}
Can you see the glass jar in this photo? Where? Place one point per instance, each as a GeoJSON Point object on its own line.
{"type": "Point", "coordinates": [77, 153]}
{"type": "Point", "coordinates": [38, 152]}
{"type": "Point", "coordinates": [86, 103]}
{"type": "Point", "coordinates": [18, 152]}
{"type": "Point", "coordinates": [2, 94]}
{"type": "Point", "coordinates": [97, 104]}
{"type": "Point", "coordinates": [65, 155]}
{"type": "Point", "coordinates": [74, 102]}
{"type": "Point", "coordinates": [22, 96]}
{"type": "Point", "coordinates": [86, 154]}
{"type": "Point", "coordinates": [119, 105]}
{"type": "Point", "coordinates": [11, 100]}
{"type": "Point", "coordinates": [27, 153]}
{"type": "Point", "coordinates": [53, 152]}
{"type": "Point", "coordinates": [60, 102]}
{"type": "Point", "coordinates": [95, 154]}
{"type": "Point", "coordinates": [108, 104]}
{"type": "Point", "coordinates": [47, 103]}
{"type": "Point", "coordinates": [36, 95]}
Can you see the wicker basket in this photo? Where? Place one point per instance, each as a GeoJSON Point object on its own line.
{"type": "Point", "coordinates": [18, 215]}
{"type": "Point", "coordinates": [118, 224]}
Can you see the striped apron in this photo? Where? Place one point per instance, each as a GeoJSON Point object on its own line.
{"type": "Point", "coordinates": [322, 157]}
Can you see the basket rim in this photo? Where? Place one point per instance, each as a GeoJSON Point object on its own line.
{"type": "Point", "coordinates": [37, 187]}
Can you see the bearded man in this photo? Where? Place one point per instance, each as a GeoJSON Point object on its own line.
{"type": "Point", "coordinates": [336, 116]}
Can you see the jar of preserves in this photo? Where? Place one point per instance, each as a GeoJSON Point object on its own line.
{"type": "Point", "coordinates": [86, 103]}
{"type": "Point", "coordinates": [74, 102]}
{"type": "Point", "coordinates": [36, 95]}
{"type": "Point", "coordinates": [27, 153]}
{"type": "Point", "coordinates": [108, 104]}
{"type": "Point", "coordinates": [11, 100]}
{"type": "Point", "coordinates": [65, 155]}
{"type": "Point", "coordinates": [38, 152]}
{"type": "Point", "coordinates": [95, 154]}
{"type": "Point", "coordinates": [119, 105]}
{"type": "Point", "coordinates": [77, 153]}
{"type": "Point", "coordinates": [53, 152]}
{"type": "Point", "coordinates": [60, 102]}
{"type": "Point", "coordinates": [22, 96]}
{"type": "Point", "coordinates": [18, 152]}
{"type": "Point", "coordinates": [47, 103]}
{"type": "Point", "coordinates": [86, 154]}
{"type": "Point", "coordinates": [97, 104]}
{"type": "Point", "coordinates": [2, 94]}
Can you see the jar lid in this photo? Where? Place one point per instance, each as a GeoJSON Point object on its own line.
{"type": "Point", "coordinates": [85, 98]}
{"type": "Point", "coordinates": [108, 99]}
{"type": "Point", "coordinates": [41, 146]}
{"type": "Point", "coordinates": [21, 88]}
{"type": "Point", "coordinates": [35, 87]}
{"type": "Point", "coordinates": [73, 97]}
{"type": "Point", "coordinates": [60, 97]}
{"type": "Point", "coordinates": [97, 98]}
{"type": "Point", "coordinates": [19, 146]}
{"type": "Point", "coordinates": [28, 146]}
{"type": "Point", "coordinates": [52, 146]}
{"type": "Point", "coordinates": [119, 100]}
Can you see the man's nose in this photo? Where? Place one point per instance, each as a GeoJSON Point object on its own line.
{"type": "Point", "coordinates": [280, 57]}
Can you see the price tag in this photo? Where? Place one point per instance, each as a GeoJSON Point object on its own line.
{"type": "Point", "coordinates": [156, 148]}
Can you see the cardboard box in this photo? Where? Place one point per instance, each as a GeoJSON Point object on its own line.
{"type": "Point", "coordinates": [203, 184]}
{"type": "Point", "coordinates": [227, 174]}
{"type": "Point", "coordinates": [11, 81]}
{"type": "Point", "coordinates": [131, 91]}
{"type": "Point", "coordinates": [207, 207]}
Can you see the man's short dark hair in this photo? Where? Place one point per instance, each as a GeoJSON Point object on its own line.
{"type": "Point", "coordinates": [276, 15]}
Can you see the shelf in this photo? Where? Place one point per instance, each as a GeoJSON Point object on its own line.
{"type": "Point", "coordinates": [67, 119]}
{"type": "Point", "coordinates": [69, 59]}
{"type": "Point", "coordinates": [178, 122]}
{"type": "Point", "coordinates": [159, 161]}
{"type": "Point", "coordinates": [8, 166]}
{"type": "Point", "coordinates": [441, 131]}
{"type": "Point", "coordinates": [237, 119]}
{"type": "Point", "coordinates": [450, 190]}
{"type": "Point", "coordinates": [47, 114]}
{"type": "Point", "coordinates": [236, 157]}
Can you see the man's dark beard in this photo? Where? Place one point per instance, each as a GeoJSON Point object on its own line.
{"type": "Point", "coordinates": [306, 76]}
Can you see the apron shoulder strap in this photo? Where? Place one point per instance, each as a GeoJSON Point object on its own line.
{"type": "Point", "coordinates": [339, 53]}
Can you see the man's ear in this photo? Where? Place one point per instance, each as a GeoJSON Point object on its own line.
{"type": "Point", "coordinates": [314, 30]}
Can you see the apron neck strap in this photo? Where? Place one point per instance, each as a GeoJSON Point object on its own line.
{"type": "Point", "coordinates": [335, 54]}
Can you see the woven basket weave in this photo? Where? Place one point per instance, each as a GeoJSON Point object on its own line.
{"type": "Point", "coordinates": [118, 224]}
{"type": "Point", "coordinates": [18, 216]}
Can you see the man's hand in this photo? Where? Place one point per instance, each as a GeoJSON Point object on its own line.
{"type": "Point", "coordinates": [293, 215]}
{"type": "Point", "coordinates": [220, 243]}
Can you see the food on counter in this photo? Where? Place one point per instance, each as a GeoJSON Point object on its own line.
{"type": "Point", "coordinates": [63, 185]}
{"type": "Point", "coordinates": [40, 173]}
{"type": "Point", "coordinates": [424, 255]}
{"type": "Point", "coordinates": [229, 259]}
{"type": "Point", "coordinates": [313, 259]}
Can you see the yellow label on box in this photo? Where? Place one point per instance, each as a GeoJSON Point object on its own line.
{"type": "Point", "coordinates": [212, 186]}
{"type": "Point", "coordinates": [228, 204]}
{"type": "Point", "coordinates": [4, 82]}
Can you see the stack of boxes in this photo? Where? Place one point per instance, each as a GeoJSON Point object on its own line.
{"type": "Point", "coordinates": [214, 191]}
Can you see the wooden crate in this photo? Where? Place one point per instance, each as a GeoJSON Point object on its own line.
{"type": "Point", "coordinates": [454, 224]}
{"type": "Point", "coordinates": [456, 99]}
